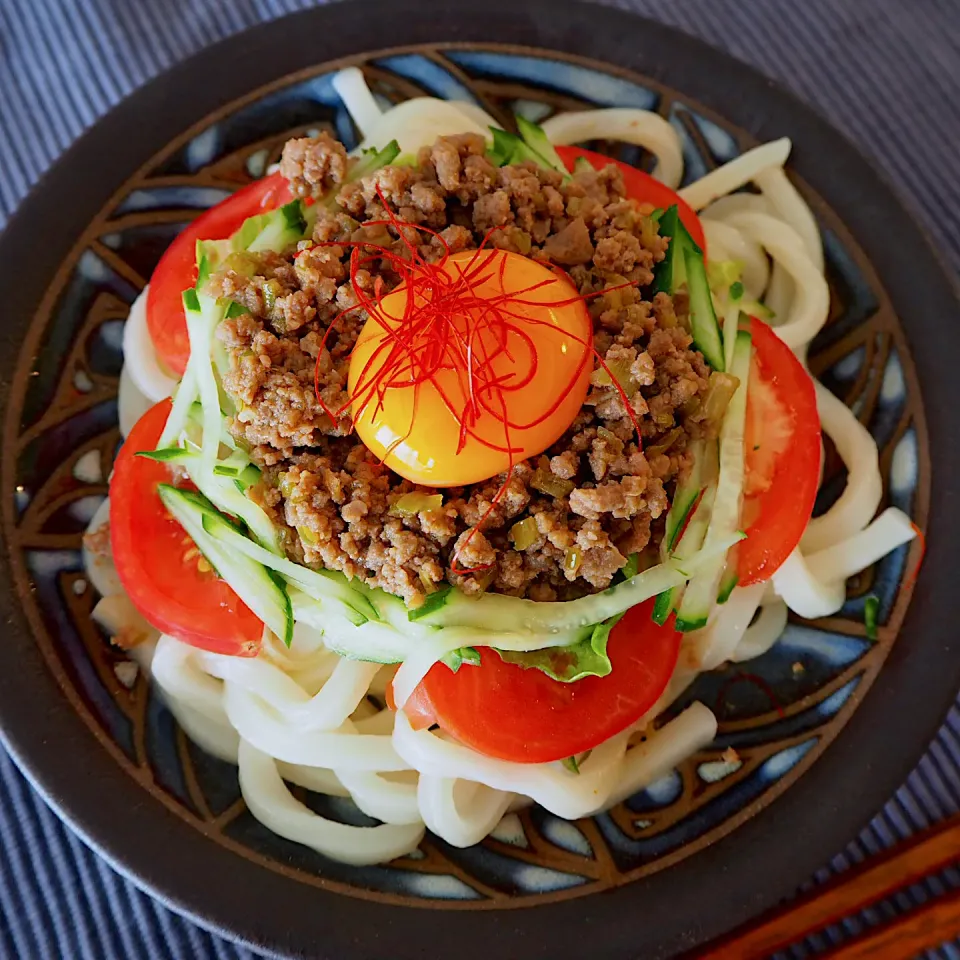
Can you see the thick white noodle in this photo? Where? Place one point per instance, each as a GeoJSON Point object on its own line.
{"type": "Point", "coordinates": [420, 121]}
{"type": "Point", "coordinates": [715, 643]}
{"type": "Point", "coordinates": [811, 302]}
{"type": "Point", "coordinates": [639, 127]}
{"type": "Point", "coordinates": [342, 749]}
{"type": "Point", "coordinates": [328, 709]}
{"type": "Point", "coordinates": [725, 242]}
{"type": "Point", "coordinates": [220, 740]}
{"type": "Point", "coordinates": [317, 779]}
{"type": "Point", "coordinates": [763, 633]}
{"type": "Point", "coordinates": [804, 593]}
{"type": "Point", "coordinates": [663, 750]}
{"type": "Point", "coordinates": [132, 403]}
{"type": "Point", "coordinates": [726, 206]}
{"type": "Point", "coordinates": [99, 566]}
{"type": "Point", "coordinates": [273, 805]}
{"type": "Point", "coordinates": [357, 98]}
{"type": "Point", "coordinates": [858, 503]}
{"type": "Point", "coordinates": [736, 174]}
{"type": "Point", "coordinates": [475, 113]}
{"type": "Point", "coordinates": [792, 209]}
{"type": "Point", "coordinates": [139, 356]}
{"type": "Point", "coordinates": [460, 812]}
{"type": "Point", "coordinates": [569, 795]}
{"type": "Point", "coordinates": [780, 292]}
{"type": "Point", "coordinates": [176, 671]}
{"type": "Point", "coordinates": [383, 799]}
{"type": "Point", "coordinates": [889, 531]}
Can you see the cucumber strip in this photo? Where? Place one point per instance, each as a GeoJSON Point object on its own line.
{"type": "Point", "coordinates": [539, 142]}
{"type": "Point", "coordinates": [501, 150]}
{"type": "Point", "coordinates": [703, 319]}
{"type": "Point", "coordinates": [664, 606]}
{"type": "Point", "coordinates": [194, 419]}
{"type": "Point", "coordinates": [260, 590]}
{"type": "Point", "coordinates": [383, 642]}
{"type": "Point", "coordinates": [683, 263]}
{"type": "Point", "coordinates": [729, 580]}
{"type": "Point", "coordinates": [278, 230]}
{"type": "Point", "coordinates": [686, 502]}
{"type": "Point", "coordinates": [688, 493]}
{"type": "Point", "coordinates": [370, 163]}
{"type": "Point", "coordinates": [210, 254]}
{"type": "Point", "coordinates": [731, 322]}
{"type": "Point", "coordinates": [201, 328]}
{"type": "Point", "coordinates": [317, 585]}
{"type": "Point", "coordinates": [371, 641]}
{"type": "Point", "coordinates": [433, 602]}
{"type": "Point", "coordinates": [493, 612]}
{"type": "Point", "coordinates": [670, 273]}
{"type": "Point", "coordinates": [690, 544]}
{"type": "Point", "coordinates": [224, 494]}
{"type": "Point", "coordinates": [523, 151]}
{"type": "Point", "coordinates": [167, 455]}
{"type": "Point", "coordinates": [183, 401]}
{"type": "Point", "coordinates": [754, 308]}
{"type": "Point", "coordinates": [701, 592]}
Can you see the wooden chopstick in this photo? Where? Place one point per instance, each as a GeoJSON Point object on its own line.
{"type": "Point", "coordinates": [908, 935]}
{"type": "Point", "coordinates": [925, 853]}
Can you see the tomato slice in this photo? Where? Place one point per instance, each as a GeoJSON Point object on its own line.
{"type": "Point", "coordinates": [177, 268]}
{"type": "Point", "coordinates": [641, 186]}
{"type": "Point", "coordinates": [782, 461]}
{"type": "Point", "coordinates": [157, 562]}
{"type": "Point", "coordinates": [505, 711]}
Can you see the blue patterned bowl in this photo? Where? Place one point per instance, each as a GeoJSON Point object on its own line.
{"type": "Point", "coordinates": [108, 753]}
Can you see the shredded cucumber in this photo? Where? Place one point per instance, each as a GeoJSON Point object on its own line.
{"type": "Point", "coordinates": [701, 593]}
{"type": "Point", "coordinates": [688, 493]}
{"type": "Point", "coordinates": [201, 326]}
{"type": "Point", "coordinates": [690, 545]}
{"type": "Point", "coordinates": [683, 264]}
{"type": "Point", "coordinates": [183, 402]}
{"type": "Point", "coordinates": [261, 591]}
{"type": "Point", "coordinates": [495, 612]}
{"type": "Point", "coordinates": [326, 586]}
{"type": "Point", "coordinates": [539, 142]}
{"type": "Point", "coordinates": [225, 494]}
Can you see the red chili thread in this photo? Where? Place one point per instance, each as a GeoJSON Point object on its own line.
{"type": "Point", "coordinates": [912, 579]}
{"type": "Point", "coordinates": [425, 340]}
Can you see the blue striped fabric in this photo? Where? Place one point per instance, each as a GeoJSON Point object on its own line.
{"type": "Point", "coordinates": [886, 72]}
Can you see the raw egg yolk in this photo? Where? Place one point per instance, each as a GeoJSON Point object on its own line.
{"type": "Point", "coordinates": [485, 364]}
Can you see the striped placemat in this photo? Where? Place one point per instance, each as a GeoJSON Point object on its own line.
{"type": "Point", "coordinates": [886, 72]}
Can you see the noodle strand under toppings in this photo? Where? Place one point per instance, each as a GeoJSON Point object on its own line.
{"type": "Point", "coordinates": [469, 365]}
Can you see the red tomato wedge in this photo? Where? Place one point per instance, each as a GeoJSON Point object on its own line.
{"type": "Point", "coordinates": [782, 440]}
{"type": "Point", "coordinates": [505, 711]}
{"type": "Point", "coordinates": [177, 269]}
{"type": "Point", "coordinates": [641, 186]}
{"type": "Point", "coordinates": [157, 562]}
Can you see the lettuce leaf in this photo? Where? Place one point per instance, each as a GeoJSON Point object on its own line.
{"type": "Point", "coordinates": [455, 659]}
{"type": "Point", "coordinates": [586, 658]}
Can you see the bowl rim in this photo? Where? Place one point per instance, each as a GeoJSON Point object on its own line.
{"type": "Point", "coordinates": [761, 861]}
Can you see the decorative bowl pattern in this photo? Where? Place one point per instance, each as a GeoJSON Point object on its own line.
{"type": "Point", "coordinates": [779, 711]}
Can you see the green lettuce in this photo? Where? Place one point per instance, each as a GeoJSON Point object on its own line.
{"type": "Point", "coordinates": [586, 658]}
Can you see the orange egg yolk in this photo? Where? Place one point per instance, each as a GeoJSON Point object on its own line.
{"type": "Point", "coordinates": [483, 364]}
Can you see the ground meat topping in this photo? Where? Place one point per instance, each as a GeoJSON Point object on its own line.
{"type": "Point", "coordinates": [313, 165]}
{"type": "Point", "coordinates": [595, 497]}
